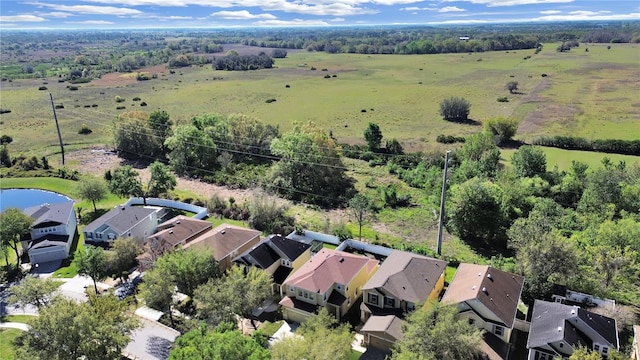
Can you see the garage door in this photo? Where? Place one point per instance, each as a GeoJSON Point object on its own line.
{"type": "Point", "coordinates": [40, 256]}
{"type": "Point", "coordinates": [380, 343]}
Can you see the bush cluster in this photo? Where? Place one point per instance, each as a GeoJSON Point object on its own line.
{"type": "Point", "coordinates": [450, 139]}
{"type": "Point", "coordinates": [613, 146]}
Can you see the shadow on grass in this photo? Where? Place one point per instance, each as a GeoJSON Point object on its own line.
{"type": "Point", "coordinates": [466, 122]}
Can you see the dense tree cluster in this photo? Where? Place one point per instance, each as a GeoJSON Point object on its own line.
{"type": "Point", "coordinates": [243, 62]}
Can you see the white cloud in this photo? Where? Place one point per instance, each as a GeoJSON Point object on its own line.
{"type": "Point", "coordinates": [55, 14]}
{"type": "Point", "coordinates": [415, 8]}
{"type": "Point", "coordinates": [91, 22]}
{"type": "Point", "coordinates": [21, 18]}
{"type": "Point", "coordinates": [294, 22]}
{"type": "Point", "coordinates": [588, 15]}
{"type": "Point", "coordinates": [550, 12]}
{"type": "Point", "coordinates": [88, 9]}
{"type": "Point", "coordinates": [492, 3]}
{"type": "Point", "coordinates": [338, 19]}
{"type": "Point", "coordinates": [450, 9]}
{"type": "Point", "coordinates": [241, 15]}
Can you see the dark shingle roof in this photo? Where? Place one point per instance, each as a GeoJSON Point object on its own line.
{"type": "Point", "coordinates": [224, 239]}
{"type": "Point", "coordinates": [50, 213]}
{"type": "Point", "coordinates": [120, 218]}
{"type": "Point", "coordinates": [261, 256]}
{"type": "Point", "coordinates": [181, 229]}
{"type": "Point", "coordinates": [497, 290]}
{"type": "Point", "coordinates": [407, 276]}
{"type": "Point", "coordinates": [553, 322]}
{"type": "Point", "coordinates": [605, 326]}
{"type": "Point", "coordinates": [289, 249]}
{"type": "Point", "coordinates": [336, 298]}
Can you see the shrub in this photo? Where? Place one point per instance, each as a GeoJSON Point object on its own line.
{"type": "Point", "coordinates": [544, 75]}
{"type": "Point", "coordinates": [455, 109]}
{"type": "Point", "coordinates": [119, 99]}
{"type": "Point", "coordinates": [269, 215]}
{"type": "Point", "coordinates": [327, 76]}
{"type": "Point", "coordinates": [84, 130]}
{"type": "Point", "coordinates": [120, 107]}
{"type": "Point", "coordinates": [503, 99]}
{"type": "Point", "coordinates": [449, 139]}
{"type": "Point", "coordinates": [72, 87]}
{"type": "Point", "coordinates": [269, 101]}
{"type": "Point", "coordinates": [42, 88]}
{"type": "Point", "coordinates": [342, 232]}
{"type": "Point", "coordinates": [324, 69]}
{"type": "Point", "coordinates": [4, 111]}
{"type": "Point", "coordinates": [94, 105]}
{"type": "Point", "coordinates": [334, 75]}
{"type": "Point", "coordinates": [136, 99]}
{"type": "Point", "coordinates": [501, 128]}
{"type": "Point", "coordinates": [143, 104]}
{"type": "Point", "coordinates": [215, 204]}
{"type": "Point", "coordinates": [287, 86]}
{"type": "Point", "coordinates": [313, 68]}
{"type": "Point", "coordinates": [59, 106]}
{"type": "Point", "coordinates": [5, 139]}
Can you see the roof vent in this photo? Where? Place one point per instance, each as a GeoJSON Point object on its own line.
{"type": "Point", "coordinates": [573, 311]}
{"type": "Point", "coordinates": [488, 276]}
{"type": "Point", "coordinates": [473, 287]}
{"type": "Point", "coordinates": [122, 208]}
{"type": "Point", "coordinates": [222, 232]}
{"type": "Point", "coordinates": [178, 222]}
{"type": "Point", "coordinates": [341, 260]}
{"type": "Point", "coordinates": [484, 289]}
{"type": "Point", "coordinates": [559, 328]}
{"type": "Point", "coordinates": [479, 274]}
{"type": "Point", "coordinates": [170, 231]}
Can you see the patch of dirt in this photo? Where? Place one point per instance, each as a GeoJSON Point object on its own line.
{"type": "Point", "coordinates": [96, 161]}
{"type": "Point", "coordinates": [544, 114]}
{"type": "Point", "coordinates": [118, 79]}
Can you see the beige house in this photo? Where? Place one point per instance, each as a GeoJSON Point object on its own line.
{"type": "Point", "coordinates": [227, 242]}
{"type": "Point", "coordinates": [404, 281]}
{"type": "Point", "coordinates": [331, 279]}
{"type": "Point", "coordinates": [487, 297]}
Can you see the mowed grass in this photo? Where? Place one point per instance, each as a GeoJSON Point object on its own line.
{"type": "Point", "coordinates": [562, 158]}
{"type": "Point", "coordinates": [585, 93]}
{"type": "Point", "coordinates": [7, 347]}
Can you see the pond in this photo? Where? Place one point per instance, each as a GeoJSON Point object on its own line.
{"type": "Point", "coordinates": [24, 198]}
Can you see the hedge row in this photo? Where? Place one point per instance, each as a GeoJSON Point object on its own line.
{"type": "Point", "coordinates": [614, 146]}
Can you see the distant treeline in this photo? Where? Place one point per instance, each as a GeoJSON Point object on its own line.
{"type": "Point", "coordinates": [614, 146]}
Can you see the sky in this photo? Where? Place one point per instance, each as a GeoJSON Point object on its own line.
{"type": "Point", "coordinates": [131, 14]}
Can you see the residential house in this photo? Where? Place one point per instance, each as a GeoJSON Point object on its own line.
{"type": "Point", "coordinates": [332, 279]}
{"type": "Point", "coordinates": [177, 232]}
{"type": "Point", "coordinates": [52, 232]}
{"type": "Point", "coordinates": [227, 242]}
{"type": "Point", "coordinates": [487, 297]}
{"type": "Point", "coordinates": [557, 330]}
{"type": "Point", "coordinates": [405, 280]}
{"type": "Point", "coordinates": [123, 222]}
{"type": "Point", "coordinates": [277, 255]}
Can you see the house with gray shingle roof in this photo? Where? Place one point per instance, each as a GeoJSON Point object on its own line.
{"type": "Point", "coordinates": [404, 281]}
{"type": "Point", "coordinates": [487, 297]}
{"type": "Point", "coordinates": [226, 242]}
{"type": "Point", "coordinates": [123, 222]}
{"type": "Point", "coordinates": [557, 330]}
{"type": "Point", "coordinates": [52, 232]}
{"type": "Point", "coordinates": [277, 255]}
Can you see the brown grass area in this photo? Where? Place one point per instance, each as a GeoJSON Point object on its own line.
{"type": "Point", "coordinates": [119, 79]}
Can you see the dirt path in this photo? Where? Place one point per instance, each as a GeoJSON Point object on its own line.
{"type": "Point", "coordinates": [96, 161]}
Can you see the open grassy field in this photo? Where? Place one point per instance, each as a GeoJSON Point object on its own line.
{"type": "Point", "coordinates": [562, 158]}
{"type": "Point", "coordinates": [591, 94]}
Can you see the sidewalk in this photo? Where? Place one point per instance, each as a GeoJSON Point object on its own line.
{"type": "Point", "coordinates": [14, 325]}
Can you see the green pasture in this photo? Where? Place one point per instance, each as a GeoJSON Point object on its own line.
{"type": "Point", "coordinates": [587, 94]}
{"type": "Point", "coordinates": [562, 158]}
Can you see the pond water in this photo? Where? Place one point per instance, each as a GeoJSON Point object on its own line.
{"type": "Point", "coordinates": [24, 198]}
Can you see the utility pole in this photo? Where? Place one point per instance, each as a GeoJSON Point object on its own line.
{"type": "Point", "coordinates": [444, 191]}
{"type": "Point", "coordinates": [57, 127]}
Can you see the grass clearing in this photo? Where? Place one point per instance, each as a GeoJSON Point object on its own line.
{"type": "Point", "coordinates": [7, 347]}
{"type": "Point", "coordinates": [392, 89]}
{"type": "Point", "coordinates": [17, 318]}
{"type": "Point", "coordinates": [562, 158]}
{"type": "Point", "coordinates": [269, 328]}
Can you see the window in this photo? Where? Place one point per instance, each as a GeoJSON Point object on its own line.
{"type": "Point", "coordinates": [306, 295]}
{"type": "Point", "coordinates": [410, 306]}
{"type": "Point", "coordinates": [498, 330]}
{"type": "Point", "coordinates": [605, 350]}
{"type": "Point", "coordinates": [472, 321]}
{"type": "Point", "coordinates": [372, 298]}
{"type": "Point", "coordinates": [388, 301]}
{"type": "Point", "coordinates": [300, 293]}
{"type": "Point", "coordinates": [292, 289]}
{"type": "Point", "coordinates": [596, 347]}
{"type": "Point", "coordinates": [338, 286]}
{"type": "Point", "coordinates": [543, 356]}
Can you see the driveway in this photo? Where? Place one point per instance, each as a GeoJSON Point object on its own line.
{"type": "Point", "coordinates": [74, 288]}
{"type": "Point", "coordinates": [152, 341]}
